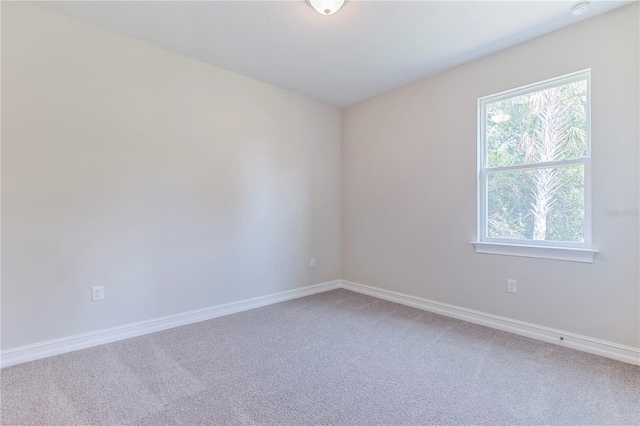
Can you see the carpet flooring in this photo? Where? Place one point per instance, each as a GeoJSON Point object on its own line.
{"type": "Point", "coordinates": [332, 358]}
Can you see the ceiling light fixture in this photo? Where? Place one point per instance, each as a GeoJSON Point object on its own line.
{"type": "Point", "coordinates": [579, 8]}
{"type": "Point", "coordinates": [326, 7]}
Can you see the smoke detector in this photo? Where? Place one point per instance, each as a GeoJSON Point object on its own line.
{"type": "Point", "coordinates": [579, 8]}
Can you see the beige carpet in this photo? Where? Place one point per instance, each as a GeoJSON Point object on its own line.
{"type": "Point", "coordinates": [333, 358]}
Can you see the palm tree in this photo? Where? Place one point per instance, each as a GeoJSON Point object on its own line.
{"type": "Point", "coordinates": [554, 136]}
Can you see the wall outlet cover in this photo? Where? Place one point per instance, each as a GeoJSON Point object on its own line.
{"type": "Point", "coordinates": [97, 293]}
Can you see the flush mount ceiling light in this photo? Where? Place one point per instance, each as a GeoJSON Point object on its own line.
{"type": "Point", "coordinates": [579, 8]}
{"type": "Point", "coordinates": [326, 7]}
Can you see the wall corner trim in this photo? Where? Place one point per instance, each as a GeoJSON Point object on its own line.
{"type": "Point", "coordinates": [49, 348]}
{"type": "Point", "coordinates": [591, 345]}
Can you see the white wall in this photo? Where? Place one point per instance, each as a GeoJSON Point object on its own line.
{"type": "Point", "coordinates": [174, 184]}
{"type": "Point", "coordinates": [409, 187]}
{"type": "Point", "coordinates": [178, 185]}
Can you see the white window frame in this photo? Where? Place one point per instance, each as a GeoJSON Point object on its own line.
{"type": "Point", "coordinates": [558, 250]}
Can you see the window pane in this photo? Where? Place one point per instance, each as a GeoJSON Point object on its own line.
{"type": "Point", "coordinates": [539, 204]}
{"type": "Point", "coordinates": [547, 125]}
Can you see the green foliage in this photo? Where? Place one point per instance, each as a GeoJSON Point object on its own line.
{"type": "Point", "coordinates": [548, 125]}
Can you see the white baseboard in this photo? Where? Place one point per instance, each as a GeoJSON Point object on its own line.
{"type": "Point", "coordinates": [86, 340]}
{"type": "Point", "coordinates": [81, 341]}
{"type": "Point", "coordinates": [570, 340]}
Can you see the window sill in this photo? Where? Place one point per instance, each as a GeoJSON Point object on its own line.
{"type": "Point", "coordinates": [541, 252]}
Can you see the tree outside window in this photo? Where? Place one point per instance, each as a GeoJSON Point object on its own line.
{"type": "Point", "coordinates": [533, 177]}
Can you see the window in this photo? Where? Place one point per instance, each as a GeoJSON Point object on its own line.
{"type": "Point", "coordinates": [533, 170]}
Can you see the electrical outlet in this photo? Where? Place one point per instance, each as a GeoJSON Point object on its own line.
{"type": "Point", "coordinates": [97, 293]}
{"type": "Point", "coordinates": [512, 286]}
{"type": "Point", "coordinates": [312, 262]}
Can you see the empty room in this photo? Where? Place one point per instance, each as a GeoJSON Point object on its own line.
{"type": "Point", "coordinates": [320, 212]}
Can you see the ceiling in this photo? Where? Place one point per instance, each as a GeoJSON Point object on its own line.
{"type": "Point", "coordinates": [365, 49]}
